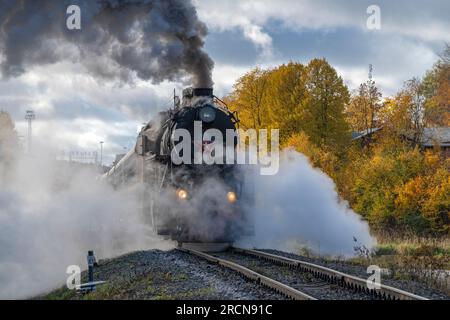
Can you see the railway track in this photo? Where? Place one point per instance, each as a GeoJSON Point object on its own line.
{"type": "Point", "coordinates": [299, 280]}
{"type": "Point", "coordinates": [253, 276]}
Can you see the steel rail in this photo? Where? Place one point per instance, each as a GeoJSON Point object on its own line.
{"type": "Point", "coordinates": [334, 277]}
{"type": "Point", "coordinates": [253, 276]}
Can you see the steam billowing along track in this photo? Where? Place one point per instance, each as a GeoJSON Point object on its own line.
{"type": "Point", "coordinates": [300, 280]}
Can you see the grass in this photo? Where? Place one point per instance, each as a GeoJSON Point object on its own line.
{"type": "Point", "coordinates": [425, 260]}
{"type": "Point", "coordinates": [407, 257]}
{"type": "Point", "coordinates": [154, 286]}
{"type": "Point", "coordinates": [60, 294]}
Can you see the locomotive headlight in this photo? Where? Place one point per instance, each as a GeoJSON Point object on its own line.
{"type": "Point", "coordinates": [182, 194]}
{"type": "Point", "coordinates": [231, 196]}
{"type": "Point", "coordinates": [207, 114]}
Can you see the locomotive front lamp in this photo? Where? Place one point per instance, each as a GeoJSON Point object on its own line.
{"type": "Point", "coordinates": [207, 114]}
{"type": "Point", "coordinates": [182, 194]}
{"type": "Point", "coordinates": [231, 196]}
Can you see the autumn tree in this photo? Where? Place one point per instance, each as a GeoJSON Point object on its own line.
{"type": "Point", "coordinates": [8, 135]}
{"type": "Point", "coordinates": [286, 97]}
{"type": "Point", "coordinates": [294, 98]}
{"type": "Point", "coordinates": [323, 115]}
{"type": "Point", "coordinates": [404, 115]}
{"type": "Point", "coordinates": [436, 88]}
{"type": "Point", "coordinates": [248, 98]}
{"type": "Point", "coordinates": [416, 109]}
{"type": "Point", "coordinates": [9, 143]}
{"type": "Point", "coordinates": [364, 108]}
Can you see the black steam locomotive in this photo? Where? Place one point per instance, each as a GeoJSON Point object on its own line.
{"type": "Point", "coordinates": [188, 202]}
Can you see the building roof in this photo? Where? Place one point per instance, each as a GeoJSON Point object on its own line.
{"type": "Point", "coordinates": [361, 134]}
{"type": "Point", "coordinates": [438, 135]}
{"type": "Point", "coordinates": [430, 136]}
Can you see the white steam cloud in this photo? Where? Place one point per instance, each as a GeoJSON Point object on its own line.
{"type": "Point", "coordinates": [300, 207]}
{"type": "Point", "coordinates": [51, 214]}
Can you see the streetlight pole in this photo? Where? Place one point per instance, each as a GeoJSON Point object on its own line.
{"type": "Point", "coordinates": [29, 116]}
{"type": "Point", "coordinates": [101, 154]}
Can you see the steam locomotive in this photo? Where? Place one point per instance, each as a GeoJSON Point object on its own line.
{"type": "Point", "coordinates": [188, 202]}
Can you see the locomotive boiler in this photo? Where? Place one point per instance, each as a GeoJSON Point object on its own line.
{"type": "Point", "coordinates": [188, 201]}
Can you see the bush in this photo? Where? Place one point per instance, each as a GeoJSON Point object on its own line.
{"type": "Point", "coordinates": [406, 189]}
{"type": "Point", "coordinates": [385, 249]}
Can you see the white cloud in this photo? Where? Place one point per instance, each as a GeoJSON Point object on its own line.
{"type": "Point", "coordinates": [429, 23]}
{"type": "Point", "coordinates": [75, 112]}
{"type": "Point", "coordinates": [353, 77]}
{"type": "Point", "coordinates": [225, 76]}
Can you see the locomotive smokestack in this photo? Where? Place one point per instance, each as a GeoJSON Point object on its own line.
{"type": "Point", "coordinates": [203, 92]}
{"type": "Point", "coordinates": [190, 95]}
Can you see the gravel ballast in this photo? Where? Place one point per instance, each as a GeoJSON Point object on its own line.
{"type": "Point", "coordinates": [302, 281]}
{"type": "Point", "coordinates": [166, 275]}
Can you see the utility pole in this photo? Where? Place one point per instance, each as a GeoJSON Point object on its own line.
{"type": "Point", "coordinates": [30, 116]}
{"type": "Point", "coordinates": [101, 154]}
{"type": "Point", "coordinates": [370, 71]}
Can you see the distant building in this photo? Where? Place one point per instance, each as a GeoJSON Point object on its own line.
{"type": "Point", "coordinates": [365, 137]}
{"type": "Point", "coordinates": [431, 137]}
{"type": "Point", "coordinates": [439, 136]}
{"type": "Point", "coordinates": [356, 135]}
{"type": "Point", "coordinates": [87, 157]}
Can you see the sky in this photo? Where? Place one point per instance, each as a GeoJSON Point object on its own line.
{"type": "Point", "coordinates": [75, 112]}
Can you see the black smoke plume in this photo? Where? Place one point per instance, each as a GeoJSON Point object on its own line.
{"type": "Point", "coordinates": [153, 40]}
